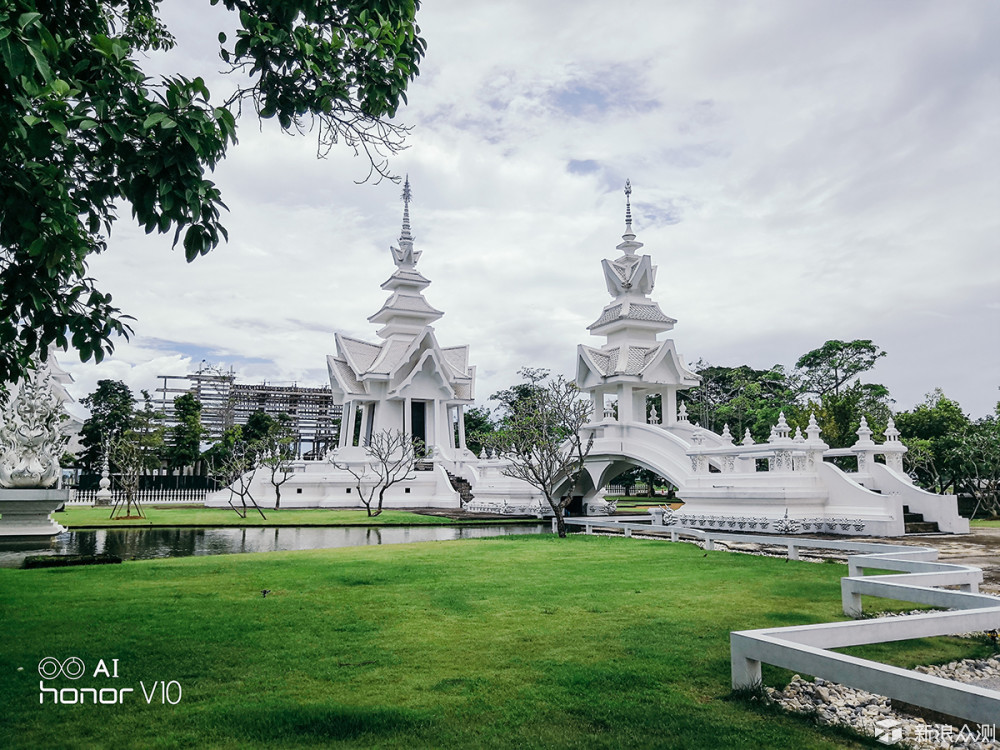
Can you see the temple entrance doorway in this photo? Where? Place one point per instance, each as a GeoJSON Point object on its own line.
{"type": "Point", "coordinates": [418, 421]}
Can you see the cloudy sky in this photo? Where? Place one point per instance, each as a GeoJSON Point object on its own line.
{"type": "Point", "coordinates": [803, 170]}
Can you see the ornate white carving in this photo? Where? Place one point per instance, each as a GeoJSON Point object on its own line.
{"type": "Point", "coordinates": [30, 441]}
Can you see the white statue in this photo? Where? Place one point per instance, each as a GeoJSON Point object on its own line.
{"type": "Point", "coordinates": [30, 440]}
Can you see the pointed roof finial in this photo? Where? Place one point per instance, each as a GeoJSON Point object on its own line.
{"type": "Point", "coordinates": [407, 193]}
{"type": "Point", "coordinates": [407, 197]}
{"type": "Point", "coordinates": [628, 207]}
{"type": "Point", "coordinates": [405, 254]}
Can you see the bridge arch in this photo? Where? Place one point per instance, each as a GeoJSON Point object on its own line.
{"type": "Point", "coordinates": [618, 446]}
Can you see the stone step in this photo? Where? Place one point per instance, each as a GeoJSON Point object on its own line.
{"type": "Point", "coordinates": [927, 527]}
{"type": "Point", "coordinates": [461, 486]}
{"type": "Point", "coordinates": [913, 518]}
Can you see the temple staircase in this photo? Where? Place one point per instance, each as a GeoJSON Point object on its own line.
{"type": "Point", "coordinates": [462, 487]}
{"type": "Point", "coordinates": [914, 523]}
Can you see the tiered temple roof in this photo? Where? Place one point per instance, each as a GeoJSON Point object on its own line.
{"type": "Point", "coordinates": [409, 340]}
{"type": "Point", "coordinates": [631, 322]}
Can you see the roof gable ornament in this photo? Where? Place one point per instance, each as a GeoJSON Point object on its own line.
{"type": "Point", "coordinates": [630, 273]}
{"type": "Point", "coordinates": [405, 256]}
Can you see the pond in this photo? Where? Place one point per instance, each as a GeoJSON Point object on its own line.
{"type": "Point", "coordinates": [147, 543]}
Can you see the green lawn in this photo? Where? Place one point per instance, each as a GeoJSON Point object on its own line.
{"type": "Point", "coordinates": [520, 642]}
{"type": "Point", "coordinates": [87, 517]}
{"type": "Point", "coordinates": [988, 524]}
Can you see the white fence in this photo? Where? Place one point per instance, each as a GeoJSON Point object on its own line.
{"type": "Point", "coordinates": [804, 648]}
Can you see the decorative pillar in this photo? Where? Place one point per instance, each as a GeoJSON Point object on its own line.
{"type": "Point", "coordinates": [625, 403]}
{"type": "Point", "coordinates": [363, 435]}
{"type": "Point", "coordinates": [408, 416]}
{"type": "Point", "coordinates": [894, 449]}
{"type": "Point", "coordinates": [30, 445]}
{"type": "Point", "coordinates": [864, 448]}
{"type": "Point", "coordinates": [669, 407]}
{"type": "Point", "coordinates": [103, 496]}
{"type": "Point", "coordinates": [461, 427]}
{"type": "Point", "coordinates": [349, 417]}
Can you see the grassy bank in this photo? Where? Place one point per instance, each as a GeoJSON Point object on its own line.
{"type": "Point", "coordinates": [586, 642]}
{"type": "Point", "coordinates": [986, 523]}
{"type": "Point", "coordinates": [87, 517]}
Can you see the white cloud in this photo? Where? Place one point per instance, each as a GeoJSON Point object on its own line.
{"type": "Point", "coordinates": [803, 170]}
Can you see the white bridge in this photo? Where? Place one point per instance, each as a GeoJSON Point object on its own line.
{"type": "Point", "coordinates": [782, 485]}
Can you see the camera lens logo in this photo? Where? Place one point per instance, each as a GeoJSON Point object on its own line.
{"type": "Point", "coordinates": [50, 668]}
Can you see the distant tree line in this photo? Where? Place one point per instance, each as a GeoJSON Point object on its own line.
{"type": "Point", "coordinates": [137, 441]}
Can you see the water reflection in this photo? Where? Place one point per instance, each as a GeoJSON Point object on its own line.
{"type": "Point", "coordinates": [146, 543]}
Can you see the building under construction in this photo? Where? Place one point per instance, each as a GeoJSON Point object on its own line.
{"type": "Point", "coordinates": [224, 403]}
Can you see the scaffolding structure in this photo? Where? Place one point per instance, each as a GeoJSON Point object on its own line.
{"type": "Point", "coordinates": [224, 403]}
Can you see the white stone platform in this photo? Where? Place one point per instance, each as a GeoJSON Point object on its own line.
{"type": "Point", "coordinates": [25, 515]}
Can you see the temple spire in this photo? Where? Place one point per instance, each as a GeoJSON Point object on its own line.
{"type": "Point", "coordinates": [629, 234]}
{"type": "Point", "coordinates": [629, 244]}
{"type": "Point", "coordinates": [407, 197]}
{"type": "Point", "coordinates": [406, 255]}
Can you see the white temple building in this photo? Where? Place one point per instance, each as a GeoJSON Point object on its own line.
{"type": "Point", "coordinates": [408, 383]}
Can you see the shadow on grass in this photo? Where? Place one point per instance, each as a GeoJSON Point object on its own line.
{"type": "Point", "coordinates": [287, 722]}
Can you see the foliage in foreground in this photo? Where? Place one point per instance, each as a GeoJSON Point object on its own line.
{"type": "Point", "coordinates": [516, 642]}
{"type": "Point", "coordinates": [83, 130]}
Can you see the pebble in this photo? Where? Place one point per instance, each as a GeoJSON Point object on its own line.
{"type": "Point", "coordinates": [834, 704]}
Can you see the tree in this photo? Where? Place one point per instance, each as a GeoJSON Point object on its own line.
{"type": "Point", "coordinates": [235, 461]}
{"type": "Point", "coordinates": [218, 455]}
{"type": "Point", "coordinates": [241, 468]}
{"type": "Point", "coordinates": [511, 398]}
{"type": "Point", "coordinates": [629, 478]}
{"type": "Point", "coordinates": [742, 397]}
{"type": "Point", "coordinates": [391, 455]}
{"type": "Point", "coordinates": [276, 451]}
{"type": "Point", "coordinates": [976, 452]}
{"type": "Point", "coordinates": [82, 129]}
{"type": "Point", "coordinates": [836, 363]}
{"type": "Point", "coordinates": [839, 414]}
{"type": "Point", "coordinates": [135, 451]}
{"type": "Point", "coordinates": [541, 437]}
{"type": "Point", "coordinates": [185, 436]}
{"type": "Point", "coordinates": [259, 425]}
{"type": "Point", "coordinates": [111, 406]}
{"type": "Point", "coordinates": [931, 432]}
{"type": "Point", "coordinates": [478, 427]}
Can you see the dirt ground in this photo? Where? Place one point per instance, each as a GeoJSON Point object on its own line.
{"type": "Point", "coordinates": [980, 548]}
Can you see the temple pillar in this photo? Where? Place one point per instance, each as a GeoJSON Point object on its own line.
{"type": "Point", "coordinates": [347, 418]}
{"type": "Point", "coordinates": [625, 403]}
{"type": "Point", "coordinates": [669, 401]}
{"type": "Point", "coordinates": [461, 426]}
{"type": "Point", "coordinates": [408, 417]}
